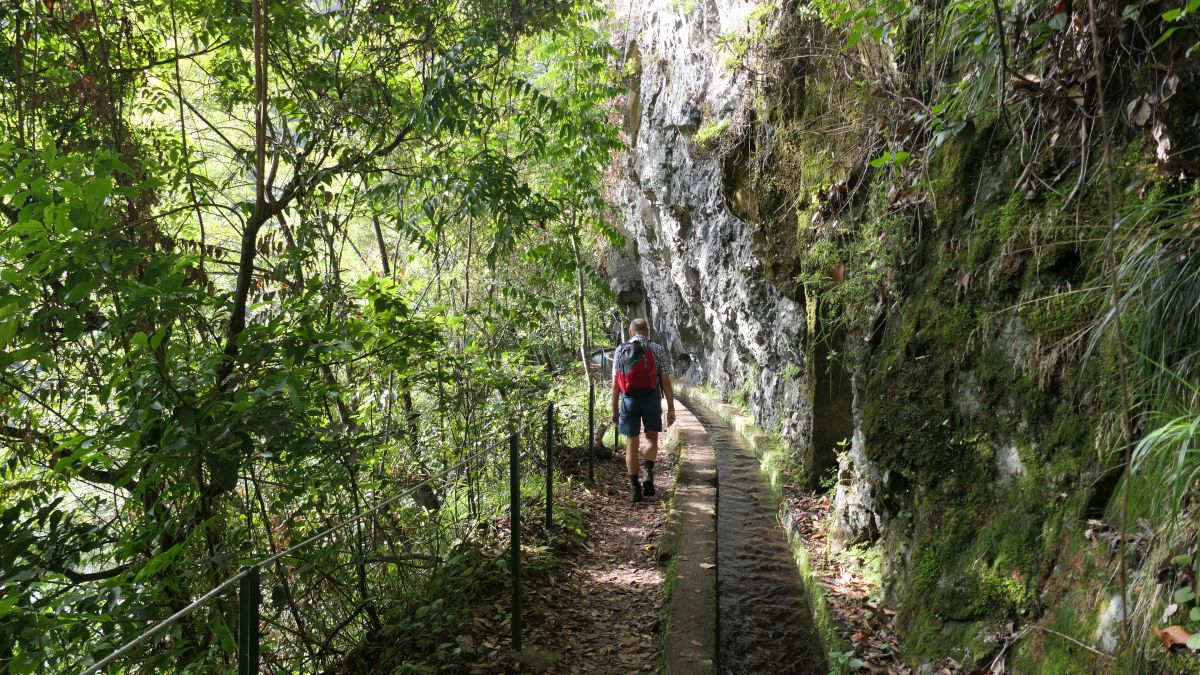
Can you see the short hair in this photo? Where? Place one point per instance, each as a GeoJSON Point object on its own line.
{"type": "Point", "coordinates": [639, 326]}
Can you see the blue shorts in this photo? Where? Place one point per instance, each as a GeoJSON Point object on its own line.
{"type": "Point", "coordinates": [640, 409]}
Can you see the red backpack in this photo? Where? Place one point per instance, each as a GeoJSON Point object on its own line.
{"type": "Point", "coordinates": [635, 366]}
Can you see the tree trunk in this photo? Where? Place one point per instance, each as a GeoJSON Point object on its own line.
{"type": "Point", "coordinates": [580, 306]}
{"type": "Point", "coordinates": [383, 257]}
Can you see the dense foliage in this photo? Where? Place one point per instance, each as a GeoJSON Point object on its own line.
{"type": "Point", "coordinates": [263, 265]}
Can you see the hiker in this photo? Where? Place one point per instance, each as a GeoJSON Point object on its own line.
{"type": "Point", "coordinates": [641, 376]}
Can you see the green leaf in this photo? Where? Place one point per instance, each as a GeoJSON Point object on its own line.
{"type": "Point", "coordinates": [80, 291]}
{"type": "Point", "coordinates": [8, 603]}
{"type": "Point", "coordinates": [159, 561]}
{"type": "Point", "coordinates": [72, 325]}
{"type": "Point", "coordinates": [1185, 594]}
{"type": "Point", "coordinates": [1193, 641]}
{"type": "Point", "coordinates": [896, 158]}
{"type": "Point", "coordinates": [96, 191]}
{"type": "Point", "coordinates": [1172, 15]}
{"type": "Point", "coordinates": [1194, 615]}
{"type": "Point", "coordinates": [1165, 36]}
{"type": "Point", "coordinates": [66, 462]}
{"type": "Point", "coordinates": [24, 663]}
{"type": "Point", "coordinates": [1181, 559]}
{"type": "Point", "coordinates": [8, 330]}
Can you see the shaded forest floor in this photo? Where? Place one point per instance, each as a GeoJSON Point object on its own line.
{"type": "Point", "coordinates": [598, 609]}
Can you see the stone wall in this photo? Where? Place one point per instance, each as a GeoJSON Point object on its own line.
{"type": "Point", "coordinates": [697, 264]}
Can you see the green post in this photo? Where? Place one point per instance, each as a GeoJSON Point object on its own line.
{"type": "Point", "coordinates": [249, 598]}
{"type": "Point", "coordinates": [616, 441]}
{"type": "Point", "coordinates": [591, 429]}
{"type": "Point", "coordinates": [549, 465]}
{"type": "Point", "coordinates": [514, 482]}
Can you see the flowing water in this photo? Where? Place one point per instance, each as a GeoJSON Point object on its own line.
{"type": "Point", "coordinates": [764, 622]}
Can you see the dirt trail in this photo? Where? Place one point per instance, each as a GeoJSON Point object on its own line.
{"type": "Point", "coordinates": [601, 611]}
{"type": "Point", "coordinates": [603, 617]}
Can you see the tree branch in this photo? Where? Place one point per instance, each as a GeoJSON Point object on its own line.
{"type": "Point", "coordinates": [128, 70]}
{"type": "Point", "coordinates": [58, 454]}
{"type": "Point", "coordinates": [84, 577]}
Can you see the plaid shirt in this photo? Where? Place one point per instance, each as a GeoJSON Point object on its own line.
{"type": "Point", "coordinates": [662, 360]}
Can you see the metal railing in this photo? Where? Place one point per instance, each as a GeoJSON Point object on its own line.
{"type": "Point", "coordinates": [248, 578]}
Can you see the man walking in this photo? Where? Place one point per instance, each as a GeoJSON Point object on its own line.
{"type": "Point", "coordinates": [641, 376]}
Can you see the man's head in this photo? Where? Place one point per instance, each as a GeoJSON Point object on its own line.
{"type": "Point", "coordinates": [639, 327]}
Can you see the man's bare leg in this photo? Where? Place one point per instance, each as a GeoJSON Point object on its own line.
{"type": "Point", "coordinates": [631, 453]}
{"type": "Point", "coordinates": [651, 447]}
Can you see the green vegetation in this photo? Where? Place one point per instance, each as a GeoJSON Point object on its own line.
{"type": "Point", "coordinates": [747, 48]}
{"type": "Point", "coordinates": [708, 136]}
{"type": "Point", "coordinates": [264, 266]}
{"type": "Point", "coordinates": [684, 6]}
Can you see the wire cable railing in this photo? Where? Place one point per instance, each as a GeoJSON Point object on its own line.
{"type": "Point", "coordinates": [381, 505]}
{"type": "Point", "coordinates": [248, 575]}
{"type": "Point", "coordinates": [164, 624]}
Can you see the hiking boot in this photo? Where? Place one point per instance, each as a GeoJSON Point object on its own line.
{"type": "Point", "coordinates": [635, 489]}
{"type": "Point", "coordinates": [648, 478]}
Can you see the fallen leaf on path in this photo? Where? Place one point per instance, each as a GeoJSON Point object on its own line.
{"type": "Point", "coordinates": [707, 566]}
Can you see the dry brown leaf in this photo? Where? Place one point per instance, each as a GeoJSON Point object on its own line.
{"type": "Point", "coordinates": [1030, 82]}
{"type": "Point", "coordinates": [1172, 636]}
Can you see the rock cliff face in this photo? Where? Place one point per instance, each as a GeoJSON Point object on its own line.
{"type": "Point", "coordinates": [969, 426]}
{"type": "Point", "coordinates": [690, 263]}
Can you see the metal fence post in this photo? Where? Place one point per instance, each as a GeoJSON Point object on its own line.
{"type": "Point", "coordinates": [514, 481]}
{"type": "Point", "coordinates": [616, 441]}
{"type": "Point", "coordinates": [549, 465]}
{"type": "Point", "coordinates": [249, 597]}
{"type": "Point", "coordinates": [591, 429]}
